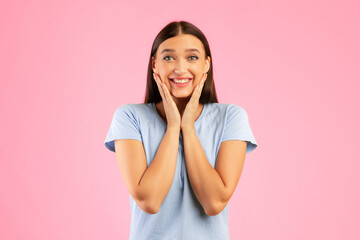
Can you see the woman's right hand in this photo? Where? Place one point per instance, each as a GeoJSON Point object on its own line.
{"type": "Point", "coordinates": [173, 117]}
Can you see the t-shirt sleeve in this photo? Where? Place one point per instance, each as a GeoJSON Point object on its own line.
{"type": "Point", "coordinates": [237, 127]}
{"type": "Point", "coordinates": [124, 125]}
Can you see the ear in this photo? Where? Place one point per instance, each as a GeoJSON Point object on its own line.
{"type": "Point", "coordinates": [153, 62]}
{"type": "Point", "coordinates": [207, 64]}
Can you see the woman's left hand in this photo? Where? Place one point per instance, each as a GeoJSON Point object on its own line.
{"type": "Point", "coordinates": [189, 116]}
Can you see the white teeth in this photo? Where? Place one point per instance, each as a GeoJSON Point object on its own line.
{"type": "Point", "coordinates": [181, 81]}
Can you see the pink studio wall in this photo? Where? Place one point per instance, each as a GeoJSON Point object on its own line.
{"type": "Point", "coordinates": [65, 66]}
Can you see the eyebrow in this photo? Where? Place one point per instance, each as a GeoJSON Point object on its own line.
{"type": "Point", "coordinates": [173, 50]}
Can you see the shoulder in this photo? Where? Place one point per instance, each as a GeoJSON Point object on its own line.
{"type": "Point", "coordinates": [234, 108]}
{"type": "Point", "coordinates": [221, 107]}
{"type": "Point", "coordinates": [133, 107]}
{"type": "Point", "coordinates": [123, 110]}
{"type": "Point", "coordinates": [235, 112]}
{"type": "Point", "coordinates": [227, 108]}
{"type": "Point", "coordinates": [136, 111]}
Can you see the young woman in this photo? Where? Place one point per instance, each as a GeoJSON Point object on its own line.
{"type": "Point", "coordinates": [181, 153]}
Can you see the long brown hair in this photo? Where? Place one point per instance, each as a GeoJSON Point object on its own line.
{"type": "Point", "coordinates": [173, 29]}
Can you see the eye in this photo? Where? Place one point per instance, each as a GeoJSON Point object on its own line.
{"type": "Point", "coordinates": [165, 58]}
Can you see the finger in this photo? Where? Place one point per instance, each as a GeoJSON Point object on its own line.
{"type": "Point", "coordinates": [167, 93]}
{"type": "Point", "coordinates": [195, 95]}
{"type": "Point", "coordinates": [202, 83]}
{"type": "Point", "coordinates": [198, 88]}
{"type": "Point", "coordinates": [163, 89]}
{"type": "Point", "coordinates": [160, 88]}
{"type": "Point", "coordinates": [159, 84]}
{"type": "Point", "coordinates": [204, 78]}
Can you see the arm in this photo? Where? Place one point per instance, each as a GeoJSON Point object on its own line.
{"type": "Point", "coordinates": [213, 187]}
{"type": "Point", "coordinates": [148, 185]}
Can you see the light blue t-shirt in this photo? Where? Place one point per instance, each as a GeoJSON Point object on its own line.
{"type": "Point", "coordinates": [181, 215]}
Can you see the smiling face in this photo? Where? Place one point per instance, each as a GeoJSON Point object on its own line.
{"type": "Point", "coordinates": [182, 56]}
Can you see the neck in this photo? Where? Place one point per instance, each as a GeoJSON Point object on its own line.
{"type": "Point", "coordinates": [181, 104]}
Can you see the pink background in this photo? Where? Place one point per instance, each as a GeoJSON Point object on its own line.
{"type": "Point", "coordinates": [65, 66]}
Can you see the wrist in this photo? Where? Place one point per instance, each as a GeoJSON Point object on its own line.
{"type": "Point", "coordinates": [173, 128]}
{"type": "Point", "coordinates": [188, 128]}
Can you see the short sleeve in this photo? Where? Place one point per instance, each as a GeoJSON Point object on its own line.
{"type": "Point", "coordinates": [124, 125]}
{"type": "Point", "coordinates": [237, 127]}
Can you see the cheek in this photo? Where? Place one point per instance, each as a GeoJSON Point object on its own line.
{"type": "Point", "coordinates": [163, 77]}
{"type": "Point", "coordinates": [167, 83]}
{"type": "Point", "coordinates": [197, 79]}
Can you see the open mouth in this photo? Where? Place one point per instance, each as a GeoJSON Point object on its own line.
{"type": "Point", "coordinates": [182, 81]}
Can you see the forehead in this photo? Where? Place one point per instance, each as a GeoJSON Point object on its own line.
{"type": "Point", "coordinates": [181, 42]}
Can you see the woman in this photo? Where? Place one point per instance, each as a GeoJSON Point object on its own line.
{"type": "Point", "coordinates": [181, 153]}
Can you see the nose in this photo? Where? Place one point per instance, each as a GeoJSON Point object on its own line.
{"type": "Point", "coordinates": [181, 66]}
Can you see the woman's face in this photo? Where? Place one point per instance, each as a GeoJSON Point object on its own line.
{"type": "Point", "coordinates": [182, 56]}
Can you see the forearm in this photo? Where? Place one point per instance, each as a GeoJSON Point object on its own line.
{"type": "Point", "coordinates": [206, 183]}
{"type": "Point", "coordinates": [158, 177]}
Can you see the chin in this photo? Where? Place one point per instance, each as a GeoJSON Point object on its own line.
{"type": "Point", "coordinates": [181, 96]}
